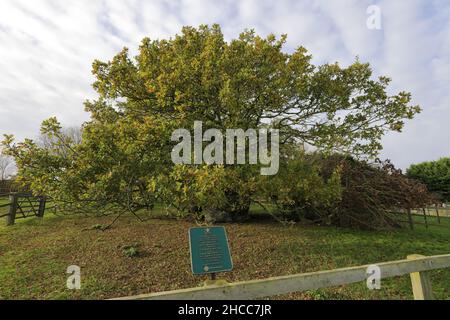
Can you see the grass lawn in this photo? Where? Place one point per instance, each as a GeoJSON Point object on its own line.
{"type": "Point", "coordinates": [34, 256]}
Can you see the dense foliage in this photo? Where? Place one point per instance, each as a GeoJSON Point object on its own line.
{"type": "Point", "coordinates": [340, 190]}
{"type": "Point", "coordinates": [435, 175]}
{"type": "Point", "coordinates": [250, 82]}
{"type": "Point", "coordinates": [372, 191]}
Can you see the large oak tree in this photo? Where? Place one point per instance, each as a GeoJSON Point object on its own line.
{"type": "Point", "coordinates": [248, 82]}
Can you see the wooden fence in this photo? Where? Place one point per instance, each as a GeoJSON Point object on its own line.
{"type": "Point", "coordinates": [20, 206]}
{"type": "Point", "coordinates": [436, 211]}
{"type": "Point", "coordinates": [425, 213]}
{"type": "Point", "coordinates": [415, 265]}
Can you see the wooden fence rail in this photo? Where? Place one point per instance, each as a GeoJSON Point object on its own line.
{"type": "Point", "coordinates": [23, 206]}
{"type": "Point", "coordinates": [415, 265]}
{"type": "Point", "coordinates": [425, 213]}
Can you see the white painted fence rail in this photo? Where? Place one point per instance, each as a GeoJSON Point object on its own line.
{"type": "Point", "coordinates": [415, 265]}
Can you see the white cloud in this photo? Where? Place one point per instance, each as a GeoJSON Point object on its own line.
{"type": "Point", "coordinates": [47, 48]}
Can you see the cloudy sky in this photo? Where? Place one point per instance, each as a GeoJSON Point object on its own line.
{"type": "Point", "coordinates": [47, 48]}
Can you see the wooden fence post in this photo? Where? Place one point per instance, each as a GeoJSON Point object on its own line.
{"type": "Point", "coordinates": [421, 283]}
{"type": "Point", "coordinates": [41, 210]}
{"type": "Point", "coordinates": [411, 224]}
{"type": "Point", "coordinates": [425, 217]}
{"type": "Point", "coordinates": [437, 214]}
{"type": "Point", "coordinates": [11, 217]}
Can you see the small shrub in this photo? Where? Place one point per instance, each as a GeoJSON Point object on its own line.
{"type": "Point", "coordinates": [130, 251]}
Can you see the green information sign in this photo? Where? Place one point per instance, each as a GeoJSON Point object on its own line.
{"type": "Point", "coordinates": [209, 250]}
